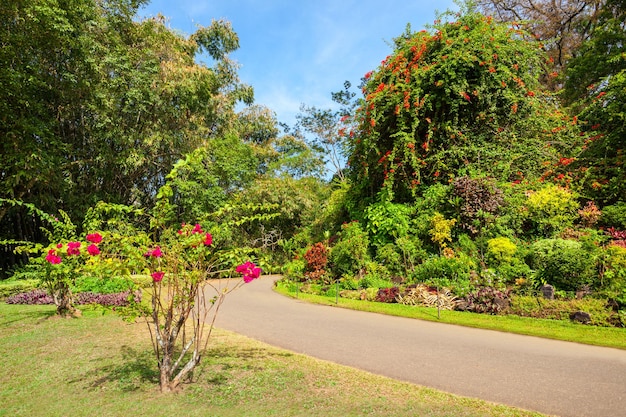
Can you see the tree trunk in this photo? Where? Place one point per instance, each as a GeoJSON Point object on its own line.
{"type": "Point", "coordinates": [63, 300]}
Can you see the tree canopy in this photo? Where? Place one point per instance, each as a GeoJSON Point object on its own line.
{"type": "Point", "coordinates": [462, 98]}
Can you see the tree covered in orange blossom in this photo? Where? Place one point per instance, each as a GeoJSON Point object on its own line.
{"type": "Point", "coordinates": [461, 98]}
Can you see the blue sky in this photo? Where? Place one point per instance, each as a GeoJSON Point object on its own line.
{"type": "Point", "coordinates": [299, 51]}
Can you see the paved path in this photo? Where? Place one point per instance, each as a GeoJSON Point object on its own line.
{"type": "Point", "coordinates": [552, 377]}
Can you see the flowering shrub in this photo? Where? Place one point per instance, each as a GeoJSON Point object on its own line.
{"type": "Point", "coordinates": [448, 101]}
{"type": "Point", "coordinates": [65, 262]}
{"type": "Point", "coordinates": [183, 297]}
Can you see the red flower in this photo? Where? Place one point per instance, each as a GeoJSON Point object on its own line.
{"type": "Point", "coordinates": [157, 276]}
{"type": "Point", "coordinates": [156, 253]}
{"type": "Point", "coordinates": [52, 257]}
{"type": "Point", "coordinates": [208, 239]}
{"type": "Point", "coordinates": [249, 271]}
{"type": "Point", "coordinates": [93, 250]}
{"type": "Point", "coordinates": [73, 248]}
{"type": "Point", "coordinates": [197, 229]}
{"type": "Point", "coordinates": [94, 238]}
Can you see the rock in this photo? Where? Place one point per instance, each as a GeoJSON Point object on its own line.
{"type": "Point", "coordinates": [580, 316]}
{"type": "Point", "coordinates": [547, 291]}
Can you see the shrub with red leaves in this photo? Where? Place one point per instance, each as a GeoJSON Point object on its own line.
{"type": "Point", "coordinates": [388, 295]}
{"type": "Point", "coordinates": [316, 261]}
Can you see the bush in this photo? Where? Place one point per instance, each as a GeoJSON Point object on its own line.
{"type": "Point", "coordinates": [487, 300]}
{"type": "Point", "coordinates": [350, 254]}
{"type": "Point", "coordinates": [316, 258]}
{"type": "Point", "coordinates": [388, 295]}
{"type": "Point", "coordinates": [452, 273]}
{"type": "Point", "coordinates": [501, 250]}
{"type": "Point", "coordinates": [389, 255]}
{"type": "Point", "coordinates": [11, 287]}
{"type": "Point", "coordinates": [551, 209]}
{"type": "Point", "coordinates": [441, 230]}
{"type": "Point", "coordinates": [428, 297]}
{"type": "Point", "coordinates": [387, 221]}
{"type": "Point", "coordinates": [294, 270]}
{"type": "Point", "coordinates": [613, 282]}
{"type": "Point", "coordinates": [538, 307]}
{"type": "Point", "coordinates": [377, 276]}
{"type": "Point", "coordinates": [563, 263]}
{"type": "Point", "coordinates": [477, 201]}
{"type": "Point", "coordinates": [103, 286]}
{"type": "Point", "coordinates": [614, 215]}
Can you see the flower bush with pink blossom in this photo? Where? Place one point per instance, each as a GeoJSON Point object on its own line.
{"type": "Point", "coordinates": [65, 262]}
{"type": "Point", "coordinates": [186, 294]}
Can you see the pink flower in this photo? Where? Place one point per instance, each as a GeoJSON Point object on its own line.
{"type": "Point", "coordinates": [93, 250]}
{"type": "Point", "coordinates": [59, 245]}
{"type": "Point", "coordinates": [249, 271]}
{"type": "Point", "coordinates": [156, 252]}
{"type": "Point", "coordinates": [73, 248]}
{"type": "Point", "coordinates": [52, 257]}
{"type": "Point", "coordinates": [157, 276]}
{"type": "Point", "coordinates": [197, 229]}
{"type": "Point", "coordinates": [94, 238]}
{"type": "Point", "coordinates": [208, 239]}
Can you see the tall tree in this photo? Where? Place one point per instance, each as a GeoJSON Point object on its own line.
{"type": "Point", "coordinates": [99, 106]}
{"type": "Point", "coordinates": [596, 87]}
{"type": "Point", "coordinates": [560, 25]}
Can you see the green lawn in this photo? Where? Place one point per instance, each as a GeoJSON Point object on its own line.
{"type": "Point", "coordinates": [552, 329]}
{"type": "Point", "coordinates": [97, 365]}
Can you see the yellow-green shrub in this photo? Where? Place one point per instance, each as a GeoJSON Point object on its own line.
{"type": "Point", "coordinates": [551, 209]}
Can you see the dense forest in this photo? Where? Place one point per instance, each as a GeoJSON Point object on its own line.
{"type": "Point", "coordinates": [484, 155]}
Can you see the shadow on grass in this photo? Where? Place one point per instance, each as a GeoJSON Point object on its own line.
{"type": "Point", "coordinates": [222, 362]}
{"type": "Point", "coordinates": [23, 314]}
{"type": "Point", "coordinates": [133, 370]}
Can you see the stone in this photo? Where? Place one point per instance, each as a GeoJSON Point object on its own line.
{"type": "Point", "coordinates": [580, 316]}
{"type": "Point", "coordinates": [548, 291]}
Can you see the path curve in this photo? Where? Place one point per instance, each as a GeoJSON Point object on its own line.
{"type": "Point", "coordinates": [552, 377]}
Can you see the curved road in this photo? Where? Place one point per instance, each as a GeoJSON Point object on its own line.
{"type": "Point", "coordinates": [552, 377]}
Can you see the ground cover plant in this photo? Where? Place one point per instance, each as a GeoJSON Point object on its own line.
{"type": "Point", "coordinates": [99, 365]}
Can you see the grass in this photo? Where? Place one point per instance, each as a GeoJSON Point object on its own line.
{"type": "Point", "coordinates": [550, 329]}
{"type": "Point", "coordinates": [97, 365]}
